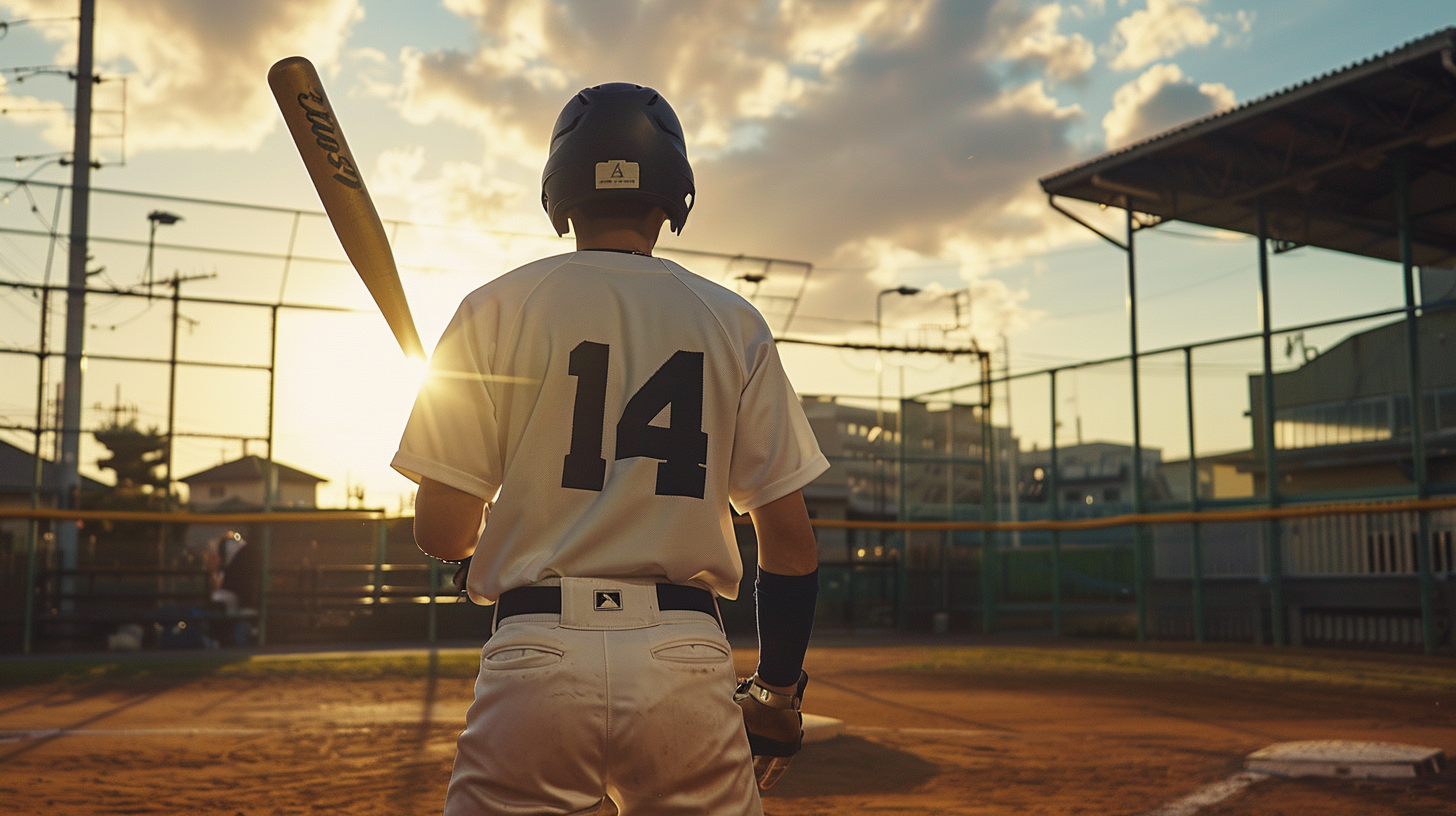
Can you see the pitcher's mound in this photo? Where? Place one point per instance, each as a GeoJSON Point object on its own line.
{"type": "Point", "coordinates": [1344, 758]}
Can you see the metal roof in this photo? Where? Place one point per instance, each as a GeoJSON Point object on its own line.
{"type": "Point", "coordinates": [1317, 154]}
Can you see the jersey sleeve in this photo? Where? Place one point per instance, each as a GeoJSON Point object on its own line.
{"type": "Point", "coordinates": [451, 436]}
{"type": "Point", "coordinates": [774, 449]}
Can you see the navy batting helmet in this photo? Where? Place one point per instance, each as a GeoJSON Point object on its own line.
{"type": "Point", "coordinates": [617, 142]}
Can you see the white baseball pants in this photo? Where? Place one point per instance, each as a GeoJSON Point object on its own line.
{"type": "Point", "coordinates": [632, 703]}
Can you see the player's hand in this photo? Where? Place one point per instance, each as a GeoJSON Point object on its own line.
{"type": "Point", "coordinates": [775, 732]}
{"type": "Point", "coordinates": [461, 574]}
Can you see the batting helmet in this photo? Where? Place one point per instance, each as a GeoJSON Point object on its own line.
{"type": "Point", "coordinates": [617, 142]}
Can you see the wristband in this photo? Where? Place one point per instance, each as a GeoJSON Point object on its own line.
{"type": "Point", "coordinates": [785, 606]}
{"type": "Point", "coordinates": [777, 699]}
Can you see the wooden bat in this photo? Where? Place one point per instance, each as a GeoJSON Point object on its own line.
{"type": "Point", "coordinates": [341, 188]}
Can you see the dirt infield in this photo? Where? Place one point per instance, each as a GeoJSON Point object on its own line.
{"type": "Point", "coordinates": [973, 728]}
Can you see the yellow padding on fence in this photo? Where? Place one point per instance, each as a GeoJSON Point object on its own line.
{"type": "Point", "coordinates": [191, 518]}
{"type": "Point", "coordinates": [1205, 517]}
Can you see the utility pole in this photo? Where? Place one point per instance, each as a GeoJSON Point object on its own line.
{"type": "Point", "coordinates": [176, 284]}
{"type": "Point", "coordinates": [69, 478]}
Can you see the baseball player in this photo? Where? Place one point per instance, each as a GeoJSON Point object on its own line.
{"type": "Point", "coordinates": [603, 408]}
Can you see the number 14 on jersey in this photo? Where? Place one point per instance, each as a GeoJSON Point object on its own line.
{"type": "Point", "coordinates": [681, 447]}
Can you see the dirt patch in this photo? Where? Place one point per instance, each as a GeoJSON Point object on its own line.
{"type": "Point", "coordinates": [1059, 729]}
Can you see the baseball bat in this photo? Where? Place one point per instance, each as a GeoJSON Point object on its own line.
{"type": "Point", "coordinates": [340, 186]}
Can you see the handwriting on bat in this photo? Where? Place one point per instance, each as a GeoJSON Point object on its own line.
{"type": "Point", "coordinates": [325, 134]}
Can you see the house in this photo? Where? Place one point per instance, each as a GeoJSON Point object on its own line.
{"type": "Point", "coordinates": [17, 469]}
{"type": "Point", "coordinates": [237, 486]}
{"type": "Point", "coordinates": [17, 477]}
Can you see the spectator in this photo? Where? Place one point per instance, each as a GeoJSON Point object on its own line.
{"type": "Point", "coordinates": [235, 571]}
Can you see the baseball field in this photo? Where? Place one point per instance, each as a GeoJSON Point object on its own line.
{"type": "Point", "coordinates": [931, 726]}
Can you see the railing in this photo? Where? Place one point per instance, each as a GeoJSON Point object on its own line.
{"type": "Point", "coordinates": [911, 570]}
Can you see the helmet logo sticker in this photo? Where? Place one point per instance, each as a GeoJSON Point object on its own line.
{"type": "Point", "coordinates": [618, 173]}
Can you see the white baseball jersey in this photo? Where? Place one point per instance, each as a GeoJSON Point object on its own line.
{"type": "Point", "coordinates": [611, 405]}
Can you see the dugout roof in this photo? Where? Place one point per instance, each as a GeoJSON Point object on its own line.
{"type": "Point", "coordinates": [1318, 154]}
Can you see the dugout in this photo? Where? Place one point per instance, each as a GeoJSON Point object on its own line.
{"type": "Point", "coordinates": [1361, 160]}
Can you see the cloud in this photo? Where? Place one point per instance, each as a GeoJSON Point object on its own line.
{"type": "Point", "coordinates": [50, 114]}
{"type": "Point", "coordinates": [196, 70]}
{"type": "Point", "coordinates": [1161, 30]}
{"type": "Point", "coordinates": [815, 127]}
{"type": "Point", "coordinates": [1037, 41]}
{"type": "Point", "coordinates": [1236, 27]}
{"type": "Point", "coordinates": [1159, 99]}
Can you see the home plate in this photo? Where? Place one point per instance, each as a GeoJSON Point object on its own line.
{"type": "Point", "coordinates": [1344, 758]}
{"type": "Point", "coordinates": [819, 729]}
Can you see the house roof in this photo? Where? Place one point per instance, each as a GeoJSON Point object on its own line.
{"type": "Point", "coordinates": [17, 472]}
{"type": "Point", "coordinates": [250, 468]}
{"type": "Point", "coordinates": [1318, 155]}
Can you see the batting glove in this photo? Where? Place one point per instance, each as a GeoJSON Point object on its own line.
{"type": "Point", "coordinates": [775, 726]}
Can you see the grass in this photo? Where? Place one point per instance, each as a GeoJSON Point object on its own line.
{"type": "Point", "coordinates": [1286, 666]}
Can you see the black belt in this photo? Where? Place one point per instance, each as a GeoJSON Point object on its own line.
{"type": "Point", "coordinates": [535, 600]}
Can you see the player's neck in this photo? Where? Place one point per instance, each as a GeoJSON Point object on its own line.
{"type": "Point", "coordinates": [620, 235]}
{"type": "Point", "coordinates": [632, 242]}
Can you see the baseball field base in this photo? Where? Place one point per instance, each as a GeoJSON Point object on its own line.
{"type": "Point", "coordinates": [820, 729]}
{"type": "Point", "coordinates": [1347, 759]}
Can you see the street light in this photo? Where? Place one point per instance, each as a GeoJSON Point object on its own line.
{"type": "Point", "coordinates": [165, 219]}
{"type": "Point", "coordinates": [905, 291]}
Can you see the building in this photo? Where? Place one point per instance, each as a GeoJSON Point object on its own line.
{"type": "Point", "coordinates": [938, 460]}
{"type": "Point", "coordinates": [1089, 475]}
{"type": "Point", "coordinates": [1220, 476]}
{"type": "Point", "coordinates": [1342, 419]}
{"type": "Point", "coordinates": [237, 486]}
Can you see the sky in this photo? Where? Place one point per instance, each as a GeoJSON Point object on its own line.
{"type": "Point", "coordinates": [883, 142]}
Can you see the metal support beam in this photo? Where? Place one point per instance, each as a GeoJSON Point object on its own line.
{"type": "Point", "coordinates": [1417, 401]}
{"type": "Point", "coordinates": [434, 590]}
{"type": "Point", "coordinates": [1275, 562]}
{"type": "Point", "coordinates": [1054, 505]}
{"type": "Point", "coordinates": [988, 505]}
{"type": "Point", "coordinates": [270, 493]}
{"type": "Point", "coordinates": [1139, 531]}
{"type": "Point", "coordinates": [947, 543]}
{"type": "Point", "coordinates": [1139, 555]}
{"type": "Point", "coordinates": [381, 554]}
{"type": "Point", "coordinates": [32, 539]}
{"type": "Point", "coordinates": [272, 374]}
{"type": "Point", "coordinates": [172, 381]}
{"type": "Point", "coordinates": [1197, 529]}
{"type": "Point", "coordinates": [901, 510]}
{"type": "Point", "coordinates": [1052, 200]}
